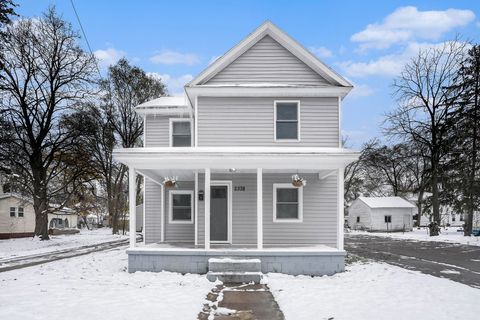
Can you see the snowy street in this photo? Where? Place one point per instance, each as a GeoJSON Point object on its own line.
{"type": "Point", "coordinates": [460, 263]}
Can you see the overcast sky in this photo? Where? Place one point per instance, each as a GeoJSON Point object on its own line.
{"type": "Point", "coordinates": [365, 41]}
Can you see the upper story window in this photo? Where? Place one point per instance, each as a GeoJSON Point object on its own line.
{"type": "Point", "coordinates": [181, 206]}
{"type": "Point", "coordinates": [388, 219]}
{"type": "Point", "coordinates": [287, 203]}
{"type": "Point", "coordinates": [20, 212]}
{"type": "Point", "coordinates": [180, 132]}
{"type": "Point", "coordinates": [287, 121]}
{"type": "Point", "coordinates": [12, 211]}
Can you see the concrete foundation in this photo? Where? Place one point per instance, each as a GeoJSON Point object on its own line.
{"type": "Point", "coordinates": [313, 263]}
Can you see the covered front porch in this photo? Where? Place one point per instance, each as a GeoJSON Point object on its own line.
{"type": "Point", "coordinates": [296, 230]}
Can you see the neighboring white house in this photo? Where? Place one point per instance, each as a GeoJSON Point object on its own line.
{"type": "Point", "coordinates": [381, 214]}
{"type": "Point", "coordinates": [219, 162]}
{"type": "Point", "coordinates": [17, 217]}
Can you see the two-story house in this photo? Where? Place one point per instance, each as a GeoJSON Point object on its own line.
{"type": "Point", "coordinates": [248, 164]}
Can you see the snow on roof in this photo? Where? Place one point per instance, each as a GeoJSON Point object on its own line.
{"type": "Point", "coordinates": [165, 102]}
{"type": "Point", "coordinates": [386, 202]}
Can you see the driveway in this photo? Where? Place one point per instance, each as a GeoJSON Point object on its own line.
{"type": "Point", "coordinates": [460, 263]}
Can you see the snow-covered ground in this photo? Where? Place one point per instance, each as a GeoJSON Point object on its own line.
{"type": "Point", "coordinates": [97, 286]}
{"type": "Point", "coordinates": [449, 234]}
{"type": "Point", "coordinates": [28, 246]}
{"type": "Point", "coordinates": [373, 291]}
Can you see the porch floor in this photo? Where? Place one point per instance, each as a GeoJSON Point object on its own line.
{"type": "Point", "coordinates": [184, 246]}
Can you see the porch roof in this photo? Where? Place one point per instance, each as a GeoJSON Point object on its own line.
{"type": "Point", "coordinates": [199, 158]}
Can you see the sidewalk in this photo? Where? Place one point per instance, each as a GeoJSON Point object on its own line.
{"type": "Point", "coordinates": [240, 302]}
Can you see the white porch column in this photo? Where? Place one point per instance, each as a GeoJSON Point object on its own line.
{"type": "Point", "coordinates": [162, 212]}
{"type": "Point", "coordinates": [196, 208]}
{"type": "Point", "coordinates": [341, 214]}
{"type": "Point", "coordinates": [259, 208]}
{"type": "Point", "coordinates": [132, 193]}
{"type": "Point", "coordinates": [207, 208]}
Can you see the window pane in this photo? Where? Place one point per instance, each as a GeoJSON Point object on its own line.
{"type": "Point", "coordinates": [181, 141]}
{"type": "Point", "coordinates": [287, 195]}
{"type": "Point", "coordinates": [287, 130]}
{"type": "Point", "coordinates": [181, 128]}
{"type": "Point", "coordinates": [20, 211]}
{"type": "Point", "coordinates": [181, 200]}
{"type": "Point", "coordinates": [287, 111]}
{"type": "Point", "coordinates": [287, 211]}
{"type": "Point", "coordinates": [12, 211]}
{"type": "Point", "coordinates": [182, 213]}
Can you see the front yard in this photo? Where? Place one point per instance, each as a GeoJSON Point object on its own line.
{"type": "Point", "coordinates": [98, 286]}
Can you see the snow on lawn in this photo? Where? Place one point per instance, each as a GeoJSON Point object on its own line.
{"type": "Point", "coordinates": [97, 286]}
{"type": "Point", "coordinates": [449, 234]}
{"type": "Point", "coordinates": [28, 246]}
{"type": "Point", "coordinates": [373, 291]}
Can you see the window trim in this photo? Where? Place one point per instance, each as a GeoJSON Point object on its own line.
{"type": "Point", "coordinates": [23, 212]}
{"type": "Point", "coordinates": [170, 206]}
{"type": "Point", "coordinates": [171, 121]}
{"type": "Point", "coordinates": [275, 102]}
{"type": "Point", "coordinates": [14, 212]}
{"type": "Point", "coordinates": [300, 203]}
{"type": "Point", "coordinates": [385, 218]}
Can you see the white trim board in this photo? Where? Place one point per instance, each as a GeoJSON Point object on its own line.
{"type": "Point", "coordinates": [170, 130]}
{"type": "Point", "coordinates": [170, 206]}
{"type": "Point", "coordinates": [275, 102]}
{"type": "Point", "coordinates": [300, 203]}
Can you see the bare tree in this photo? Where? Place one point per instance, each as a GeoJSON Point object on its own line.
{"type": "Point", "coordinates": [126, 87]}
{"type": "Point", "coordinates": [43, 75]}
{"type": "Point", "coordinates": [425, 102]}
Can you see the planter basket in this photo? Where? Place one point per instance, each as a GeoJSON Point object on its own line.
{"type": "Point", "coordinates": [297, 183]}
{"type": "Point", "coordinates": [169, 184]}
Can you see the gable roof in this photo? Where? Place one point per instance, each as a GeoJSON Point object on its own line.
{"type": "Point", "coordinates": [386, 202]}
{"type": "Point", "coordinates": [268, 28]}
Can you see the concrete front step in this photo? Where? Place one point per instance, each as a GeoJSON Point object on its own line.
{"type": "Point", "coordinates": [235, 277]}
{"type": "Point", "coordinates": [234, 265]}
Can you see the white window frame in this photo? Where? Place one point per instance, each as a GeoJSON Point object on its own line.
{"type": "Point", "coordinates": [171, 121]}
{"type": "Point", "coordinates": [170, 206]}
{"type": "Point", "coordinates": [385, 218]}
{"type": "Point", "coordinates": [275, 102]}
{"type": "Point", "coordinates": [14, 212]}
{"type": "Point", "coordinates": [300, 203]}
{"type": "Point", "coordinates": [23, 212]}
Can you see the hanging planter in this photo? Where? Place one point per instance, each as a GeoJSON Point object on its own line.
{"type": "Point", "coordinates": [170, 182]}
{"type": "Point", "coordinates": [298, 181]}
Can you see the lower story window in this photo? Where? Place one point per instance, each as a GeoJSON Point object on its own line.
{"type": "Point", "coordinates": [287, 203]}
{"type": "Point", "coordinates": [358, 219]}
{"type": "Point", "coordinates": [388, 219]}
{"type": "Point", "coordinates": [181, 208]}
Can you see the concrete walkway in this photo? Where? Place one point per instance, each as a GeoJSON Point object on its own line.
{"type": "Point", "coordinates": [460, 263]}
{"type": "Point", "coordinates": [241, 302]}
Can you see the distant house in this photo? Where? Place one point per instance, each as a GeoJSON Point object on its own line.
{"type": "Point", "coordinates": [17, 217]}
{"type": "Point", "coordinates": [381, 214]}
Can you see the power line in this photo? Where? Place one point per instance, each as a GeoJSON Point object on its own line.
{"type": "Point", "coordinates": [85, 36]}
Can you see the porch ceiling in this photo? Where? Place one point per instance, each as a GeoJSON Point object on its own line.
{"type": "Point", "coordinates": [240, 158]}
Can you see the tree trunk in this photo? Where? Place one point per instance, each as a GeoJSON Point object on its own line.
{"type": "Point", "coordinates": [419, 207]}
{"type": "Point", "coordinates": [435, 200]}
{"type": "Point", "coordinates": [40, 200]}
{"type": "Point", "coordinates": [468, 227]}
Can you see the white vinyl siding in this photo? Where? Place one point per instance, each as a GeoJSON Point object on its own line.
{"type": "Point", "coordinates": [268, 62]}
{"type": "Point", "coordinates": [250, 121]}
